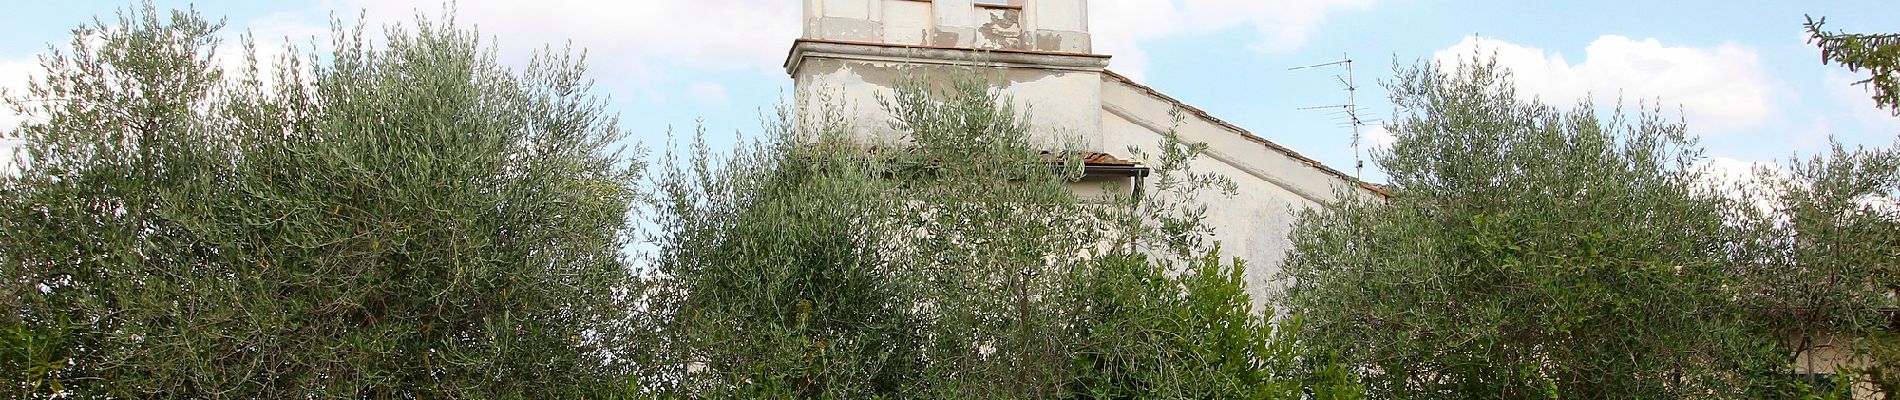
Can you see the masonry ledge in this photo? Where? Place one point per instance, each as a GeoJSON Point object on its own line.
{"type": "Point", "coordinates": [957, 56]}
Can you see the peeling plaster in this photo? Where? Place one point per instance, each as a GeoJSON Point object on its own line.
{"type": "Point", "coordinates": [945, 38]}
{"type": "Point", "coordinates": [1004, 31]}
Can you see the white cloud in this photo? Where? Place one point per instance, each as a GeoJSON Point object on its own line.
{"type": "Point", "coordinates": [1762, 183]}
{"type": "Point", "coordinates": [625, 39]}
{"type": "Point", "coordinates": [1857, 102]}
{"type": "Point", "coordinates": [1723, 172]}
{"type": "Point", "coordinates": [1846, 113]}
{"type": "Point", "coordinates": [1374, 138]}
{"type": "Point", "coordinates": [708, 93]}
{"type": "Point", "coordinates": [13, 79]}
{"type": "Point", "coordinates": [271, 34]}
{"type": "Point", "coordinates": [1377, 137]}
{"type": "Point", "coordinates": [1751, 182]}
{"type": "Point", "coordinates": [1120, 26]}
{"type": "Point", "coordinates": [1723, 88]}
{"type": "Point", "coordinates": [643, 39]}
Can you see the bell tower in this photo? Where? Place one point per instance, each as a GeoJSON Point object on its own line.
{"type": "Point", "coordinates": [1035, 51]}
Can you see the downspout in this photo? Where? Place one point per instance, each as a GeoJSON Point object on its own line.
{"type": "Point", "coordinates": [1140, 181]}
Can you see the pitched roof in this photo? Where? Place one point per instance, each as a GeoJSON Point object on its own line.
{"type": "Point", "coordinates": [1380, 190]}
{"type": "Point", "coordinates": [1088, 158]}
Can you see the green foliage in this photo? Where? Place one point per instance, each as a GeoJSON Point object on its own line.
{"type": "Point", "coordinates": [412, 220]}
{"type": "Point", "coordinates": [772, 278]}
{"type": "Point", "coordinates": [1844, 265]}
{"type": "Point", "coordinates": [1191, 335]}
{"type": "Point", "coordinates": [1528, 252]}
{"type": "Point", "coordinates": [407, 220]}
{"type": "Point", "coordinates": [1831, 227]}
{"type": "Point", "coordinates": [1878, 53]}
{"type": "Point", "coordinates": [1828, 274]}
{"type": "Point", "coordinates": [954, 262]}
{"type": "Point", "coordinates": [1882, 370]}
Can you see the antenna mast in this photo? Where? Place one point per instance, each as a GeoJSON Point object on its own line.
{"type": "Point", "coordinates": [1350, 110]}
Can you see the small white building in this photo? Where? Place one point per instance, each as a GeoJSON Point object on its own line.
{"type": "Point", "coordinates": [1039, 52]}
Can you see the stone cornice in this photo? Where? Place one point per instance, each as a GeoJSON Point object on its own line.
{"type": "Point", "coordinates": [914, 54]}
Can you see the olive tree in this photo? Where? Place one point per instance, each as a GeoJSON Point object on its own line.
{"type": "Point", "coordinates": [956, 261]}
{"type": "Point", "coordinates": [1838, 239]}
{"type": "Point", "coordinates": [1528, 251]}
{"type": "Point", "coordinates": [397, 219]}
{"type": "Point", "coordinates": [1827, 270]}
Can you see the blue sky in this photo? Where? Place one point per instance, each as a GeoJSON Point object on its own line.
{"type": "Point", "coordinates": [1740, 71]}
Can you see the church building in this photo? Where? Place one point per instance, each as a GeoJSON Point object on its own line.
{"type": "Point", "coordinates": [1039, 54]}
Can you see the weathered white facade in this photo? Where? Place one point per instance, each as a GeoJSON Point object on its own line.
{"type": "Point", "coordinates": [1039, 52]}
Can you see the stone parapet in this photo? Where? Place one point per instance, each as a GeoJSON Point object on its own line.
{"type": "Point", "coordinates": [1032, 25]}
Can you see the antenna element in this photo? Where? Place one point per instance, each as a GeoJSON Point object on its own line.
{"type": "Point", "coordinates": [1350, 110]}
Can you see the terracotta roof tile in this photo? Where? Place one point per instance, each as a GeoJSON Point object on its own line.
{"type": "Point", "coordinates": [1088, 158]}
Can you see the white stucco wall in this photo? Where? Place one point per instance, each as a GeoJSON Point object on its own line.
{"type": "Point", "coordinates": [1038, 54]}
{"type": "Point", "coordinates": [1829, 354]}
{"type": "Point", "coordinates": [1105, 113]}
{"type": "Point", "coordinates": [1032, 25]}
{"type": "Point", "coordinates": [1271, 185]}
{"type": "Point", "coordinates": [1062, 102]}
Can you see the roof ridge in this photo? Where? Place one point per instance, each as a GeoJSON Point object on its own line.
{"type": "Point", "coordinates": [1244, 133]}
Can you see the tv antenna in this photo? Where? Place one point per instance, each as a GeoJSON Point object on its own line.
{"type": "Point", "coordinates": [1349, 111]}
